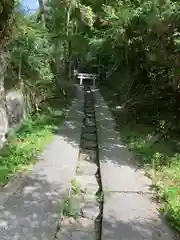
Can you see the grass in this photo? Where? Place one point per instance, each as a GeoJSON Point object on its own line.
{"type": "Point", "coordinates": [21, 151]}
{"type": "Point", "coordinates": [158, 156]}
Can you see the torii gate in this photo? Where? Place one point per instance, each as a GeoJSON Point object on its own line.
{"type": "Point", "coordinates": [83, 76]}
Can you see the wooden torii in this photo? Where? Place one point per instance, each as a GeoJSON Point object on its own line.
{"type": "Point", "coordinates": [82, 76]}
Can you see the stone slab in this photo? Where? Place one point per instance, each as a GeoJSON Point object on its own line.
{"type": "Point", "coordinates": [90, 123]}
{"type": "Point", "coordinates": [89, 144]}
{"type": "Point", "coordinates": [88, 155]}
{"type": "Point", "coordinates": [89, 137]}
{"type": "Point", "coordinates": [88, 183]}
{"type": "Point", "coordinates": [132, 217]}
{"type": "Point", "coordinates": [89, 129]}
{"type": "Point", "coordinates": [118, 169]}
{"type": "Point", "coordinates": [32, 212]}
{"type": "Point", "coordinates": [87, 168]}
{"type": "Point", "coordinates": [70, 224]}
{"type": "Point", "coordinates": [90, 208]}
{"type": "Point", "coordinates": [89, 108]}
{"type": "Point", "coordinates": [76, 229]}
{"type": "Point", "coordinates": [89, 112]}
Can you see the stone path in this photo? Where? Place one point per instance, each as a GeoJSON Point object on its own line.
{"type": "Point", "coordinates": [77, 176]}
{"type": "Point", "coordinates": [128, 210]}
{"type": "Point", "coordinates": [33, 211]}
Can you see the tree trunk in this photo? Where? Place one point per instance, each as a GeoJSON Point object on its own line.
{"type": "Point", "coordinates": [42, 12]}
{"type": "Point", "coordinates": [69, 48]}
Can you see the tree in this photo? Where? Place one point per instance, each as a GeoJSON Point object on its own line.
{"type": "Point", "coordinates": [6, 27]}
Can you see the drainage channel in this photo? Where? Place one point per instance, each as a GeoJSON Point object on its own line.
{"type": "Point", "coordinates": [82, 214]}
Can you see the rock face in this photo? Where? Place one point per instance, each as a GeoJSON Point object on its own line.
{"type": "Point", "coordinates": [15, 107]}
{"type": "Point", "coordinates": [3, 124]}
{"type": "Point", "coordinates": [11, 113]}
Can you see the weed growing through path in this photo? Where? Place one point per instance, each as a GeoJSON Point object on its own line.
{"type": "Point", "coordinates": [72, 206]}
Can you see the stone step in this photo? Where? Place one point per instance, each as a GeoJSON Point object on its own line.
{"type": "Point", "coordinates": [88, 183]}
{"type": "Point", "coordinates": [90, 207]}
{"type": "Point", "coordinates": [89, 120]}
{"type": "Point", "coordinates": [90, 116]}
{"type": "Point", "coordinates": [89, 108]}
{"type": "Point", "coordinates": [89, 111]}
{"type": "Point", "coordinates": [86, 167]}
{"type": "Point", "coordinates": [89, 104]}
{"type": "Point", "coordinates": [76, 229]}
{"type": "Point", "coordinates": [88, 155]}
{"type": "Point", "coordinates": [89, 123]}
{"type": "Point", "coordinates": [89, 137]}
{"type": "Point", "coordinates": [89, 145]}
{"type": "Point", "coordinates": [89, 129]}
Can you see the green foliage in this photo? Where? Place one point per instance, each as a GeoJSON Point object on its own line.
{"type": "Point", "coordinates": [30, 48]}
{"type": "Point", "coordinates": [22, 149]}
{"type": "Point", "coordinates": [87, 15]}
{"type": "Point", "coordinates": [29, 59]}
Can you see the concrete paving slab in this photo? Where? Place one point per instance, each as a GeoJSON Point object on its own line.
{"type": "Point", "coordinates": [32, 212]}
{"type": "Point", "coordinates": [118, 170]}
{"type": "Point", "coordinates": [132, 217]}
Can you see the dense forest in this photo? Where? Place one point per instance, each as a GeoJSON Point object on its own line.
{"type": "Point", "coordinates": [133, 45]}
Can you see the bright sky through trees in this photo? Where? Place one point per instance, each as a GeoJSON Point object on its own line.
{"type": "Point", "coordinates": [31, 5]}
